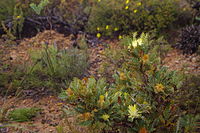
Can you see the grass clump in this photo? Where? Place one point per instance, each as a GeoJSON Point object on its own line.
{"type": "Point", "coordinates": [23, 114]}
{"type": "Point", "coordinates": [57, 67]}
{"type": "Point", "coordinates": [49, 68]}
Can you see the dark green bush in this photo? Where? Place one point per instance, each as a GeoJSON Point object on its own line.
{"type": "Point", "coordinates": [110, 16]}
{"type": "Point", "coordinates": [189, 39]}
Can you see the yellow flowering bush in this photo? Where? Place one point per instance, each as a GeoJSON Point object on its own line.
{"type": "Point", "coordinates": [132, 15]}
{"type": "Point", "coordinates": [151, 85]}
{"type": "Point", "coordinates": [137, 99]}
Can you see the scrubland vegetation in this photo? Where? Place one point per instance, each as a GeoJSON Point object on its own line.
{"type": "Point", "coordinates": [105, 66]}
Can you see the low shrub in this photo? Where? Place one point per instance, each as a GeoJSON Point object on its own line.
{"type": "Point", "coordinates": [189, 39]}
{"type": "Point", "coordinates": [49, 68]}
{"type": "Point", "coordinates": [75, 13]}
{"type": "Point", "coordinates": [141, 98]}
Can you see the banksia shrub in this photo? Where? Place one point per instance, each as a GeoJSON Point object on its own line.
{"type": "Point", "coordinates": [189, 39]}
{"type": "Point", "coordinates": [139, 100]}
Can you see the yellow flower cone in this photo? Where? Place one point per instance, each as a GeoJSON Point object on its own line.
{"type": "Point", "coordinates": [145, 58]}
{"type": "Point", "coordinates": [122, 76]}
{"type": "Point", "coordinates": [159, 88]}
{"type": "Point", "coordinates": [101, 100]}
{"type": "Point", "coordinates": [69, 92]}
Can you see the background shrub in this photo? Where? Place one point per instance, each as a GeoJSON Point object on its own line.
{"type": "Point", "coordinates": [108, 16]}
{"type": "Point", "coordinates": [189, 39]}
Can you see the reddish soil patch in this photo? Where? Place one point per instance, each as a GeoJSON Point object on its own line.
{"type": "Point", "coordinates": [175, 60]}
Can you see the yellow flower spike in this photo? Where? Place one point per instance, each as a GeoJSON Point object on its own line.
{"type": "Point", "coordinates": [127, 1]}
{"type": "Point", "coordinates": [122, 76]}
{"type": "Point", "coordinates": [99, 0]}
{"type": "Point", "coordinates": [98, 35]}
{"type": "Point", "coordinates": [98, 29]}
{"type": "Point", "coordinates": [145, 58]}
{"type": "Point", "coordinates": [135, 43]}
{"type": "Point", "coordinates": [159, 88]}
{"type": "Point", "coordinates": [69, 92]}
{"type": "Point", "coordinates": [116, 29]}
{"type": "Point", "coordinates": [101, 100]}
{"type": "Point", "coordinates": [107, 27]}
{"type": "Point", "coordinates": [135, 11]}
{"type": "Point", "coordinates": [120, 37]}
{"type": "Point", "coordinates": [133, 112]}
{"type": "Point", "coordinates": [95, 110]}
{"type": "Point", "coordinates": [126, 8]}
{"type": "Point", "coordinates": [105, 117]}
{"type": "Point", "coordinates": [139, 3]}
{"type": "Point", "coordinates": [101, 97]}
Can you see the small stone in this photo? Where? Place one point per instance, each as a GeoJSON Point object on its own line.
{"type": "Point", "coordinates": [177, 62]}
{"type": "Point", "coordinates": [194, 59]}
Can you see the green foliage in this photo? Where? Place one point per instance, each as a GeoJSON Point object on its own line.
{"type": "Point", "coordinates": [23, 114]}
{"type": "Point", "coordinates": [38, 8]}
{"type": "Point", "coordinates": [109, 17]}
{"type": "Point", "coordinates": [18, 21]}
{"type": "Point", "coordinates": [188, 97]}
{"type": "Point", "coordinates": [188, 123]}
{"type": "Point", "coordinates": [75, 13]}
{"type": "Point", "coordinates": [6, 9]}
{"type": "Point", "coordinates": [49, 68]}
{"type": "Point", "coordinates": [115, 56]}
{"type": "Point", "coordinates": [59, 66]}
{"type": "Point", "coordinates": [17, 17]}
{"type": "Point", "coordinates": [141, 97]}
